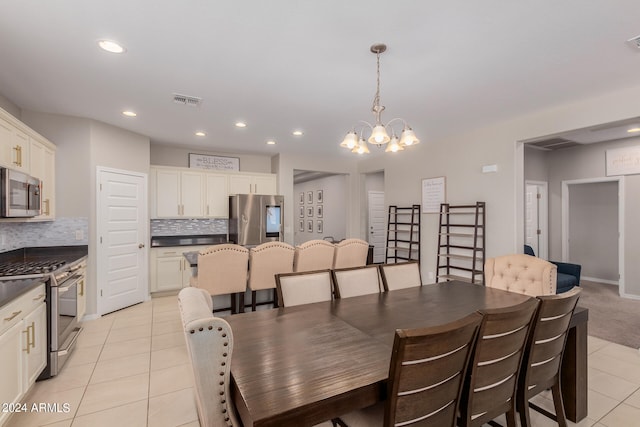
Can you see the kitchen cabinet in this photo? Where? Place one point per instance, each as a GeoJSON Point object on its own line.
{"type": "Point", "coordinates": [216, 200]}
{"type": "Point", "coordinates": [178, 194]}
{"type": "Point", "coordinates": [253, 184]}
{"type": "Point", "coordinates": [42, 160]}
{"type": "Point", "coordinates": [82, 296]}
{"type": "Point", "coordinates": [23, 345]}
{"type": "Point", "coordinates": [170, 271]}
{"type": "Point", "coordinates": [14, 147]}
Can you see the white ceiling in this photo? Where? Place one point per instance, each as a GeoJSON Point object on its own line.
{"type": "Point", "coordinates": [282, 65]}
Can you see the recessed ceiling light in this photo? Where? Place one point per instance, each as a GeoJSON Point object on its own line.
{"type": "Point", "coordinates": [111, 46]}
{"type": "Point", "coordinates": [271, 142]}
{"type": "Point", "coordinates": [200, 134]}
{"type": "Point", "coordinates": [297, 133]}
{"type": "Point", "coordinates": [129, 113]}
{"type": "Point", "coordinates": [241, 125]}
{"type": "Point", "coordinates": [632, 130]}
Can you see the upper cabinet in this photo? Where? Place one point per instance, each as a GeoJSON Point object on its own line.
{"type": "Point", "coordinates": [252, 184]}
{"type": "Point", "coordinates": [23, 149]}
{"type": "Point", "coordinates": [193, 193]}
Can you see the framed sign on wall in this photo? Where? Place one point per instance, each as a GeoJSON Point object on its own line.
{"type": "Point", "coordinates": [433, 193]}
{"type": "Point", "coordinates": [218, 163]}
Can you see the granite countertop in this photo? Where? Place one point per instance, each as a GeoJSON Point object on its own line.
{"type": "Point", "coordinates": [189, 240]}
{"type": "Point", "coordinates": [12, 289]}
{"type": "Point", "coordinates": [68, 254]}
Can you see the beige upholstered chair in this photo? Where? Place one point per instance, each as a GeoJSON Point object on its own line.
{"type": "Point", "coordinates": [303, 288]}
{"type": "Point", "coordinates": [401, 275]}
{"type": "Point", "coordinates": [265, 261]}
{"type": "Point", "coordinates": [354, 281]}
{"type": "Point", "coordinates": [426, 374]}
{"type": "Point", "coordinates": [313, 255]}
{"type": "Point", "coordinates": [521, 273]}
{"type": "Point", "coordinates": [210, 346]}
{"type": "Point", "coordinates": [222, 270]}
{"type": "Point", "coordinates": [350, 253]}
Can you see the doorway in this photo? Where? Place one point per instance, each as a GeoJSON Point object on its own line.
{"type": "Point", "coordinates": [122, 236]}
{"type": "Point", "coordinates": [593, 228]}
{"type": "Point", "coordinates": [377, 222]}
{"type": "Point", "coordinates": [536, 229]}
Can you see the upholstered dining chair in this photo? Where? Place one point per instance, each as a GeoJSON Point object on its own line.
{"type": "Point", "coordinates": [543, 356]}
{"type": "Point", "coordinates": [490, 389]}
{"type": "Point", "coordinates": [350, 253]}
{"type": "Point", "coordinates": [265, 261]}
{"type": "Point", "coordinates": [304, 287]}
{"type": "Point", "coordinates": [313, 255]}
{"type": "Point", "coordinates": [354, 281]}
{"type": "Point", "coordinates": [521, 273]}
{"type": "Point", "coordinates": [401, 275]}
{"type": "Point", "coordinates": [426, 375]}
{"type": "Point", "coordinates": [222, 270]}
{"type": "Point", "coordinates": [210, 347]}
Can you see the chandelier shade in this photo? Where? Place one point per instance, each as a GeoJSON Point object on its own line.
{"type": "Point", "coordinates": [379, 133]}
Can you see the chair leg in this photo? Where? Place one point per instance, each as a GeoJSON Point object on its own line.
{"type": "Point", "coordinates": [525, 418]}
{"type": "Point", "coordinates": [253, 300]}
{"type": "Point", "coordinates": [241, 303]}
{"type": "Point", "coordinates": [275, 299]}
{"type": "Point", "coordinates": [561, 417]}
{"type": "Point", "coordinates": [511, 417]}
{"type": "Point", "coordinates": [233, 303]}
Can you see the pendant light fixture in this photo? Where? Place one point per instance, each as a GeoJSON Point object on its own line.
{"type": "Point", "coordinates": [379, 132]}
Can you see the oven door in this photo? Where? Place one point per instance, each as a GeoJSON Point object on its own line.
{"type": "Point", "coordinates": [64, 321]}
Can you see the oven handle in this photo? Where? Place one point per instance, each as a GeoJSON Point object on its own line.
{"type": "Point", "coordinates": [71, 343]}
{"type": "Point", "coordinates": [74, 281]}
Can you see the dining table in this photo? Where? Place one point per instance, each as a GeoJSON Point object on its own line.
{"type": "Point", "coordinates": [302, 365]}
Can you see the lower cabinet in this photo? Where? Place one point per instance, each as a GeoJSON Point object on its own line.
{"type": "Point", "coordinates": [81, 290]}
{"type": "Point", "coordinates": [170, 271]}
{"type": "Point", "coordinates": [23, 346]}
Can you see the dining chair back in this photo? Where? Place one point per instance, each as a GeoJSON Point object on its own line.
{"type": "Point", "coordinates": [354, 281]}
{"type": "Point", "coordinates": [210, 347]}
{"type": "Point", "coordinates": [401, 275]}
{"type": "Point", "coordinates": [521, 273]}
{"type": "Point", "coordinates": [543, 356]}
{"type": "Point", "coordinates": [303, 288]}
{"type": "Point", "coordinates": [426, 375]}
{"type": "Point", "coordinates": [222, 270]}
{"type": "Point", "coordinates": [313, 255]}
{"type": "Point", "coordinates": [490, 389]}
{"type": "Point", "coordinates": [350, 253]}
{"type": "Point", "coordinates": [265, 261]}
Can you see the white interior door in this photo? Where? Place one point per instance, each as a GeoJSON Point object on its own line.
{"type": "Point", "coordinates": [122, 236]}
{"type": "Point", "coordinates": [536, 218]}
{"type": "Point", "coordinates": [377, 224]}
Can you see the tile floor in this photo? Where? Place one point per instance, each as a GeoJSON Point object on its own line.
{"type": "Point", "coordinates": [130, 368]}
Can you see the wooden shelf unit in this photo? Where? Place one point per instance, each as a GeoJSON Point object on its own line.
{"type": "Point", "coordinates": [461, 243]}
{"type": "Point", "coordinates": [403, 234]}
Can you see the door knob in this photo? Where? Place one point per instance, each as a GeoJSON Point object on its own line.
{"type": "Point", "coordinates": [141, 245]}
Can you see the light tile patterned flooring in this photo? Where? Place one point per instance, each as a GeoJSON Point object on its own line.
{"type": "Point", "coordinates": [131, 368]}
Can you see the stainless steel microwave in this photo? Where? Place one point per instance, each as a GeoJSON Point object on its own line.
{"type": "Point", "coordinates": [20, 194]}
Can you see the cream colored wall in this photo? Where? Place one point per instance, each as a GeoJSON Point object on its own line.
{"type": "Point", "coordinates": [460, 158]}
{"type": "Point", "coordinates": [10, 107]}
{"type": "Point", "coordinates": [165, 155]}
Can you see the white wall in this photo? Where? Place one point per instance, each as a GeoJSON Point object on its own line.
{"type": "Point", "coordinates": [334, 217]}
{"type": "Point", "coordinates": [536, 167]}
{"type": "Point", "coordinates": [460, 158]}
{"type": "Point", "coordinates": [10, 107]}
{"type": "Point", "coordinates": [164, 155]}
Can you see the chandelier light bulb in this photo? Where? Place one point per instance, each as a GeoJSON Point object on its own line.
{"type": "Point", "coordinates": [350, 141]}
{"type": "Point", "coordinates": [379, 135]}
{"type": "Point", "coordinates": [394, 146]}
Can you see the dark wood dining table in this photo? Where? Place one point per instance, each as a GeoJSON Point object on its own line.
{"type": "Point", "coordinates": [299, 366]}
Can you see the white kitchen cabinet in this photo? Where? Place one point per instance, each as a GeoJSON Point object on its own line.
{"type": "Point", "coordinates": [42, 161]}
{"type": "Point", "coordinates": [170, 271]}
{"type": "Point", "coordinates": [177, 194]}
{"type": "Point", "coordinates": [23, 345]}
{"type": "Point", "coordinates": [81, 290]}
{"type": "Point", "coordinates": [252, 184]}
{"type": "Point", "coordinates": [14, 147]}
{"type": "Point", "coordinates": [217, 200]}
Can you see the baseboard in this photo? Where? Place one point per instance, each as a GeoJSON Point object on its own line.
{"type": "Point", "coordinates": [629, 296]}
{"type": "Point", "coordinates": [606, 282]}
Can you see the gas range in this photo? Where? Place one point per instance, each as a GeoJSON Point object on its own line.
{"type": "Point", "coordinates": [29, 268]}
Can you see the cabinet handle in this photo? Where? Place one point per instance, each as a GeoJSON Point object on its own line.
{"type": "Point", "coordinates": [18, 161]}
{"type": "Point", "coordinates": [13, 316]}
{"type": "Point", "coordinates": [82, 288]}
{"type": "Point", "coordinates": [47, 211]}
{"type": "Point", "coordinates": [28, 349]}
{"type": "Point", "coordinates": [38, 297]}
{"type": "Point", "coordinates": [207, 210]}
{"type": "Point", "coordinates": [33, 334]}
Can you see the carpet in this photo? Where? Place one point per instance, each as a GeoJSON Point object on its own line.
{"type": "Point", "coordinates": [611, 318]}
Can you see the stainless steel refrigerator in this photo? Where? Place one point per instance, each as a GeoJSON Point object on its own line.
{"type": "Point", "coordinates": [255, 218]}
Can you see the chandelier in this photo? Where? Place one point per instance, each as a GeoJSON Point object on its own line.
{"type": "Point", "coordinates": [379, 132]}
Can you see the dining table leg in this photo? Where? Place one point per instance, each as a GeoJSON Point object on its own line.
{"type": "Point", "coordinates": [574, 373]}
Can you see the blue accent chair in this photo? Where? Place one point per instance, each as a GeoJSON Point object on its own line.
{"type": "Point", "coordinates": [568, 274]}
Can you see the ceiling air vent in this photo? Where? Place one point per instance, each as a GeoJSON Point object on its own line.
{"type": "Point", "coordinates": [192, 101]}
{"type": "Point", "coordinates": [635, 42]}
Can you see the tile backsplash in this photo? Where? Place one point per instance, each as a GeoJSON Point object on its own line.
{"type": "Point", "coordinates": [184, 227]}
{"type": "Point", "coordinates": [61, 232]}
